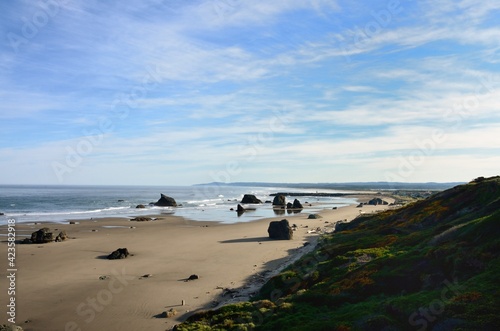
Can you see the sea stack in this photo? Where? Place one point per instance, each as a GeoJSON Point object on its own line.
{"type": "Point", "coordinates": [250, 198]}
{"type": "Point", "coordinates": [166, 201]}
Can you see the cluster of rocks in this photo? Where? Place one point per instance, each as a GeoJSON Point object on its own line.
{"type": "Point", "coordinates": [45, 235]}
{"type": "Point", "coordinates": [280, 201]}
{"type": "Point", "coordinates": [141, 219]}
{"type": "Point", "coordinates": [377, 201]}
{"type": "Point", "coordinates": [373, 202]}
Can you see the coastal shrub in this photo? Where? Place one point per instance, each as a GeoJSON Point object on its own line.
{"type": "Point", "coordinates": [279, 286]}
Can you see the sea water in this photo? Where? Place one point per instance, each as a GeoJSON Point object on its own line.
{"type": "Point", "coordinates": [38, 203]}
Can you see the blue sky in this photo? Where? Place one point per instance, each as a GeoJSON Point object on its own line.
{"type": "Point", "coordinates": [183, 92]}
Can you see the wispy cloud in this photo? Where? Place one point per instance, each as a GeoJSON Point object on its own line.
{"type": "Point", "coordinates": [186, 87]}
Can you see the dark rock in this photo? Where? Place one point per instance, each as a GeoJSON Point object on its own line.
{"type": "Point", "coordinates": [192, 277]}
{"type": "Point", "coordinates": [297, 204]}
{"type": "Point", "coordinates": [167, 314]}
{"type": "Point", "coordinates": [268, 201]}
{"type": "Point", "coordinates": [377, 201]}
{"type": "Point", "coordinates": [140, 206]}
{"type": "Point", "coordinates": [62, 236]}
{"type": "Point", "coordinates": [360, 205]}
{"type": "Point", "coordinates": [42, 236]}
{"type": "Point", "coordinates": [166, 201]}
{"type": "Point", "coordinates": [313, 216]}
{"type": "Point", "coordinates": [141, 219]}
{"type": "Point", "coordinates": [280, 230]}
{"type": "Point", "coordinates": [289, 205]}
{"type": "Point", "coordinates": [120, 253]}
{"type": "Point", "coordinates": [250, 198]}
{"type": "Point", "coordinates": [121, 200]}
{"type": "Point", "coordinates": [1, 214]}
{"type": "Point", "coordinates": [279, 200]}
{"type": "Point", "coordinates": [240, 209]}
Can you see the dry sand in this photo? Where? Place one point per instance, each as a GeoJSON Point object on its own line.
{"type": "Point", "coordinates": [58, 285]}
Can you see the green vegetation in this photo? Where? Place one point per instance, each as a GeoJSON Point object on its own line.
{"type": "Point", "coordinates": [433, 264]}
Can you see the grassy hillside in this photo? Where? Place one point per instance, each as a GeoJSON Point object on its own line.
{"type": "Point", "coordinates": [432, 265]}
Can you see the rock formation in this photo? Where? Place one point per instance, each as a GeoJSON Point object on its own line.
{"type": "Point", "coordinates": [140, 206]}
{"type": "Point", "coordinates": [280, 230]}
{"type": "Point", "coordinates": [279, 200]}
{"type": "Point", "coordinates": [377, 201]}
{"type": "Point", "coordinates": [42, 236]}
{"type": "Point", "coordinates": [250, 198]}
{"type": "Point", "coordinates": [166, 201]}
{"type": "Point", "coordinates": [297, 204]}
{"type": "Point", "coordinates": [61, 236]}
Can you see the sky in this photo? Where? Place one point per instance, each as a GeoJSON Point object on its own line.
{"type": "Point", "coordinates": [171, 92]}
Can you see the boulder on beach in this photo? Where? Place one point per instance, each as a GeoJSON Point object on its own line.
{"type": "Point", "coordinates": [289, 205]}
{"type": "Point", "coordinates": [120, 253]}
{"type": "Point", "coordinates": [61, 236]}
{"type": "Point", "coordinates": [42, 236]}
{"type": "Point", "coordinates": [297, 204]}
{"type": "Point", "coordinates": [313, 216]}
{"type": "Point", "coordinates": [279, 200]}
{"type": "Point", "coordinates": [140, 206]}
{"type": "Point", "coordinates": [280, 230]}
{"type": "Point", "coordinates": [240, 209]}
{"type": "Point", "coordinates": [250, 198]}
{"type": "Point", "coordinates": [168, 314]}
{"type": "Point", "coordinates": [165, 201]}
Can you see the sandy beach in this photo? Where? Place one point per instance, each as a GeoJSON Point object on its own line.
{"type": "Point", "coordinates": [70, 285]}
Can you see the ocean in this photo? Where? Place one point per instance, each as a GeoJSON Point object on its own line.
{"type": "Point", "coordinates": [44, 203]}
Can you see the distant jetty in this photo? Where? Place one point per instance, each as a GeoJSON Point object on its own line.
{"type": "Point", "coordinates": [312, 194]}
